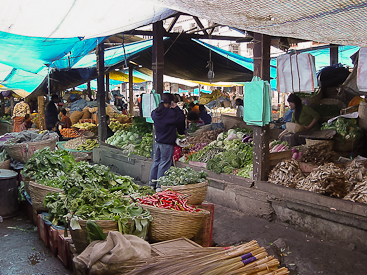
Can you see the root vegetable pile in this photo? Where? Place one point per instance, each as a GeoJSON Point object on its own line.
{"type": "Point", "coordinates": [327, 180]}
{"type": "Point", "coordinates": [355, 172]}
{"type": "Point", "coordinates": [318, 154]}
{"type": "Point", "coordinates": [69, 133]}
{"type": "Point", "coordinates": [359, 192]}
{"type": "Point", "coordinates": [286, 173]}
{"type": "Point", "coordinates": [205, 137]}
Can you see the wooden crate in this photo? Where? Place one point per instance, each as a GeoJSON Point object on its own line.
{"type": "Point", "coordinates": [42, 230]}
{"type": "Point", "coordinates": [205, 235]}
{"type": "Point", "coordinates": [63, 252]}
{"type": "Point", "coordinates": [276, 157]}
{"type": "Point", "coordinates": [53, 235]}
{"type": "Point", "coordinates": [173, 246]}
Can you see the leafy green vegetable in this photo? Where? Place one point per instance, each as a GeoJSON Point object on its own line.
{"type": "Point", "coordinates": [181, 176]}
{"type": "Point", "coordinates": [346, 128]}
{"type": "Point", "coordinates": [94, 231]}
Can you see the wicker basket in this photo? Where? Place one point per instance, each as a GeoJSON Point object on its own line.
{"type": "Point", "coordinates": [24, 151]}
{"type": "Point", "coordinates": [79, 156]}
{"type": "Point", "coordinates": [5, 164]}
{"type": "Point", "coordinates": [38, 193]}
{"type": "Point", "coordinates": [196, 191]}
{"type": "Point", "coordinates": [80, 236]}
{"type": "Point", "coordinates": [172, 224]}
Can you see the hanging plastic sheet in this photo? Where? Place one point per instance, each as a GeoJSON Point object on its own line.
{"type": "Point", "coordinates": [296, 73]}
{"type": "Point", "coordinates": [257, 102]}
{"type": "Point", "coordinates": [149, 103]}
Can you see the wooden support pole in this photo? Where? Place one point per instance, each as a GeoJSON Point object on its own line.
{"type": "Point", "coordinates": [261, 134]}
{"type": "Point", "coordinates": [108, 88]}
{"type": "Point", "coordinates": [334, 51]}
{"type": "Point", "coordinates": [89, 91]}
{"type": "Point", "coordinates": [131, 89]}
{"type": "Point", "coordinates": [102, 126]}
{"type": "Point", "coordinates": [41, 113]}
{"type": "Point", "coordinates": [11, 105]}
{"type": "Point", "coordinates": [2, 102]}
{"type": "Point", "coordinates": [158, 57]}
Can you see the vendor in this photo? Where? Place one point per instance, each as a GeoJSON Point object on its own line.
{"type": "Point", "coordinates": [65, 120]}
{"type": "Point", "coordinates": [19, 113]}
{"type": "Point", "coordinates": [303, 114]}
{"type": "Point", "coordinates": [168, 120]}
{"type": "Point", "coordinates": [239, 107]}
{"type": "Point", "coordinates": [193, 118]}
{"type": "Point", "coordinates": [203, 115]}
{"type": "Point", "coordinates": [27, 123]}
{"type": "Point", "coordinates": [51, 113]}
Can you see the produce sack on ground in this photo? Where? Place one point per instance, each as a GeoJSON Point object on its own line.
{"type": "Point", "coordinates": [108, 256]}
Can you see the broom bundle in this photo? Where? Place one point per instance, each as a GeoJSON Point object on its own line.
{"type": "Point", "coordinates": [248, 257]}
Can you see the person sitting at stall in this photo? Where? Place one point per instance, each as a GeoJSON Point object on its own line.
{"type": "Point", "coordinates": [193, 121]}
{"type": "Point", "coordinates": [203, 115]}
{"type": "Point", "coordinates": [65, 120]}
{"type": "Point", "coordinates": [303, 114]}
{"type": "Point", "coordinates": [26, 124]}
{"type": "Point", "coordinates": [239, 107]}
{"type": "Point", "coordinates": [51, 113]}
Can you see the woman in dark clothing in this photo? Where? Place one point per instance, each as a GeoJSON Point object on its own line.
{"type": "Point", "coordinates": [168, 120]}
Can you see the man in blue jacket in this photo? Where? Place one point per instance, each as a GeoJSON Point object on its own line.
{"type": "Point", "coordinates": [168, 120]}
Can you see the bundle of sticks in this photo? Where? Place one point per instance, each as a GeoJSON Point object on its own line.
{"type": "Point", "coordinates": [246, 258]}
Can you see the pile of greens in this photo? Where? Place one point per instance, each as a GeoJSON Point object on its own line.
{"type": "Point", "coordinates": [141, 126]}
{"type": "Point", "coordinates": [122, 138]}
{"type": "Point", "coordinates": [145, 147]}
{"type": "Point", "coordinates": [346, 128]}
{"type": "Point", "coordinates": [45, 165]}
{"type": "Point", "coordinates": [181, 176]}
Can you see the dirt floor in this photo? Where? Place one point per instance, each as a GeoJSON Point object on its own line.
{"type": "Point", "coordinates": [23, 253]}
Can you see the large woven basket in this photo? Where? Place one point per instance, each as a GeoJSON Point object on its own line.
{"type": "Point", "coordinates": [38, 193]}
{"type": "Point", "coordinates": [24, 151]}
{"type": "Point", "coordinates": [196, 191]}
{"type": "Point", "coordinates": [80, 236]}
{"type": "Point", "coordinates": [172, 224]}
{"type": "Point", "coordinates": [5, 164]}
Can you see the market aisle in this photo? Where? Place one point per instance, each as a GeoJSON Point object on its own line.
{"type": "Point", "coordinates": [23, 253]}
{"type": "Point", "coordinates": [302, 254]}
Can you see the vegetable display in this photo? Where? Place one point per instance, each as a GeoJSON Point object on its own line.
{"type": "Point", "coordinates": [141, 127]}
{"type": "Point", "coordinates": [168, 199]}
{"type": "Point", "coordinates": [230, 153]}
{"type": "Point", "coordinates": [88, 145]}
{"type": "Point", "coordinates": [145, 147]}
{"type": "Point", "coordinates": [278, 146]}
{"type": "Point", "coordinates": [69, 133]}
{"type": "Point", "coordinates": [116, 125]}
{"type": "Point", "coordinates": [346, 128]}
{"type": "Point", "coordinates": [122, 138]}
{"type": "Point", "coordinates": [181, 176]}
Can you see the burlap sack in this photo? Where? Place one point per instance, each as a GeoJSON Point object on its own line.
{"type": "Point", "coordinates": [75, 116]}
{"type": "Point", "coordinates": [116, 249]}
{"type": "Point", "coordinates": [86, 114]}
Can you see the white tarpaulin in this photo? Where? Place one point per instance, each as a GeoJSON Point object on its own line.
{"type": "Point", "coordinates": [73, 18]}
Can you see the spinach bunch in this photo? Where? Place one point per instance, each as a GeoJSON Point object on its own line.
{"type": "Point", "coordinates": [181, 176]}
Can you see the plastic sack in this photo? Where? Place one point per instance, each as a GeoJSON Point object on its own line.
{"type": "Point", "coordinates": [149, 103]}
{"type": "Point", "coordinates": [296, 72]}
{"type": "Point", "coordinates": [362, 70]}
{"type": "Point", "coordinates": [257, 102]}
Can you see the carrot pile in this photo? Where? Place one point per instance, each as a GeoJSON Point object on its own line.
{"type": "Point", "coordinates": [168, 199]}
{"type": "Point", "coordinates": [69, 133]}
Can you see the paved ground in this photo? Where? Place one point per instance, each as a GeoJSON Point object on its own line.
{"type": "Point", "coordinates": [24, 254]}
